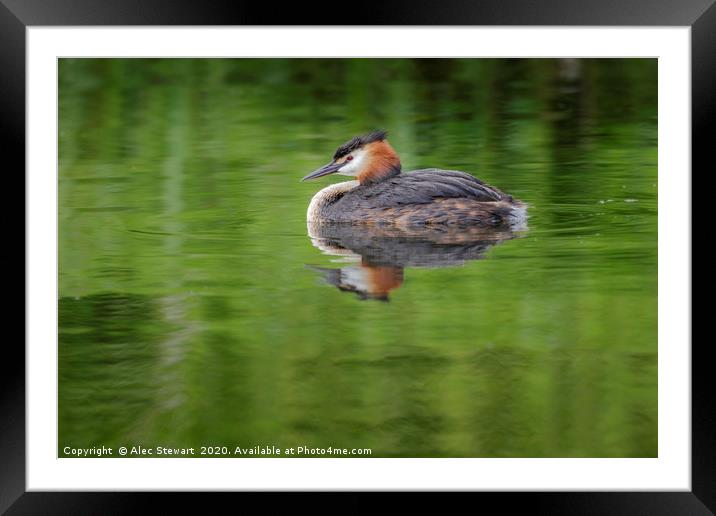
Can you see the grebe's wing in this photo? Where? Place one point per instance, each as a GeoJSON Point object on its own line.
{"type": "Point", "coordinates": [423, 186]}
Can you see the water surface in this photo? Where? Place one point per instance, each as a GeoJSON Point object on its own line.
{"type": "Point", "coordinates": [195, 309]}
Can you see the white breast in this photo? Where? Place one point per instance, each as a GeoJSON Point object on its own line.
{"type": "Point", "coordinates": [327, 196]}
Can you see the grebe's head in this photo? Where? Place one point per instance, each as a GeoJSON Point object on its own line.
{"type": "Point", "coordinates": [369, 158]}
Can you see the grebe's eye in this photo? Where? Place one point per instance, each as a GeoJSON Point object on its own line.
{"type": "Point", "coordinates": [349, 158]}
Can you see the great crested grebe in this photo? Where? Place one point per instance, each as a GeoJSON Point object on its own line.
{"type": "Point", "coordinates": [383, 195]}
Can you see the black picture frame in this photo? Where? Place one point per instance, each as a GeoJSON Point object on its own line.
{"type": "Point", "coordinates": [17, 15]}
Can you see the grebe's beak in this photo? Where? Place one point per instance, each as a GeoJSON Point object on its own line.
{"type": "Point", "coordinates": [331, 168]}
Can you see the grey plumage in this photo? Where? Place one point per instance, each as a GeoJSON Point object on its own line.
{"type": "Point", "coordinates": [424, 186]}
{"type": "Point", "coordinates": [427, 196]}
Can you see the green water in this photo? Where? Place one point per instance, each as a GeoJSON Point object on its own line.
{"type": "Point", "coordinates": [195, 310]}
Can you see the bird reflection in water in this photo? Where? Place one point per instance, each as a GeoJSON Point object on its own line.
{"type": "Point", "coordinates": [377, 257]}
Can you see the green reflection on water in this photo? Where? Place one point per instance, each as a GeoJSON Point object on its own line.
{"type": "Point", "coordinates": [188, 316]}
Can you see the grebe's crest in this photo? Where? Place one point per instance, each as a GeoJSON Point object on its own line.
{"type": "Point", "coordinates": [359, 141]}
